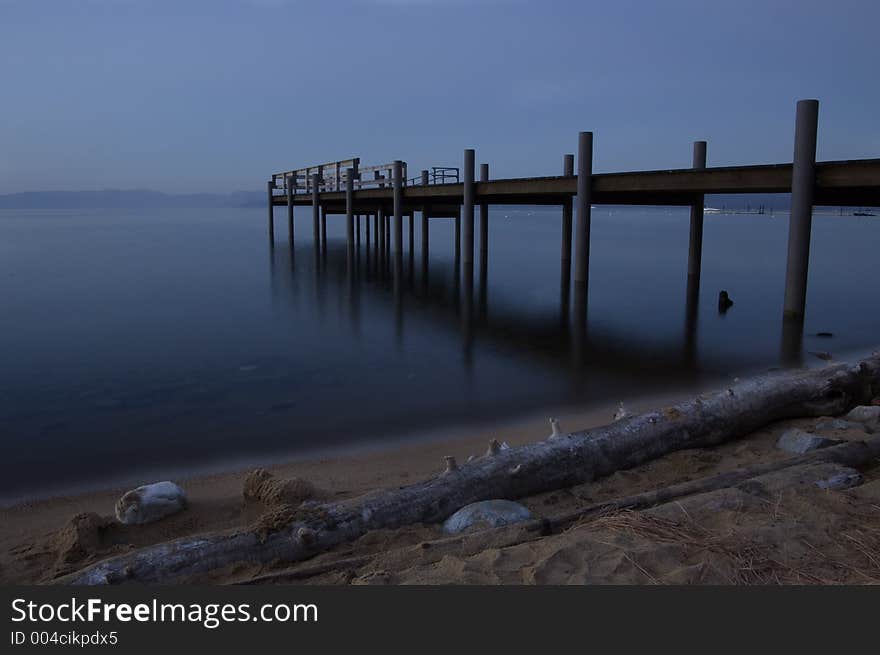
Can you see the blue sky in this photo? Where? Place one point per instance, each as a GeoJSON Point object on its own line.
{"type": "Point", "coordinates": [214, 95]}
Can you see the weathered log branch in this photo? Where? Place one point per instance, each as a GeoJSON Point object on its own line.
{"type": "Point", "coordinates": [514, 473]}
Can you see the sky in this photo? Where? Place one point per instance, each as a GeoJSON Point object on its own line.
{"type": "Point", "coordinates": [215, 95]}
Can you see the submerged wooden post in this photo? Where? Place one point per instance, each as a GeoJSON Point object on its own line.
{"type": "Point", "coordinates": [316, 210]}
{"type": "Point", "coordinates": [582, 234]}
{"type": "Point", "coordinates": [803, 178]}
{"type": "Point", "coordinates": [468, 208]}
{"type": "Point", "coordinates": [324, 229]}
{"type": "Point", "coordinates": [349, 209]}
{"type": "Point", "coordinates": [269, 186]}
{"type": "Point", "coordinates": [289, 180]}
{"type": "Point", "coordinates": [695, 247]}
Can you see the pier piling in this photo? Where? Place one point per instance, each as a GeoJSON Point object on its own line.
{"type": "Point", "coordinates": [582, 234]}
{"type": "Point", "coordinates": [568, 171]}
{"type": "Point", "coordinates": [468, 208]}
{"type": "Point", "coordinates": [397, 246]}
{"type": "Point", "coordinates": [316, 210]}
{"type": "Point", "coordinates": [349, 210]}
{"type": "Point", "coordinates": [269, 186]}
{"type": "Point", "coordinates": [803, 178]}
{"type": "Point", "coordinates": [289, 183]}
{"type": "Point", "coordinates": [484, 216]}
{"type": "Point", "coordinates": [695, 246]}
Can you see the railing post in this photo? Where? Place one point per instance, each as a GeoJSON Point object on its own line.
{"type": "Point", "coordinates": [803, 178]}
{"type": "Point", "coordinates": [269, 186]}
{"type": "Point", "coordinates": [582, 234]}
{"type": "Point", "coordinates": [695, 247]}
{"type": "Point", "coordinates": [468, 208]}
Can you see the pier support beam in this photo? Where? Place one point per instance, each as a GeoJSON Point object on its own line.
{"type": "Point", "coordinates": [582, 233]}
{"type": "Point", "coordinates": [695, 247]}
{"type": "Point", "coordinates": [468, 208]}
{"type": "Point", "coordinates": [289, 180]}
{"type": "Point", "coordinates": [803, 178]}
{"type": "Point", "coordinates": [269, 186]}
{"type": "Point", "coordinates": [397, 246]}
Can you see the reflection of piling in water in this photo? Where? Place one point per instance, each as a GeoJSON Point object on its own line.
{"type": "Point", "coordinates": [579, 328]}
{"type": "Point", "coordinates": [691, 314]}
{"type": "Point", "coordinates": [467, 312]}
{"type": "Point", "coordinates": [484, 245]}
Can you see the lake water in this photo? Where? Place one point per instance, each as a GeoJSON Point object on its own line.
{"type": "Point", "coordinates": [138, 344]}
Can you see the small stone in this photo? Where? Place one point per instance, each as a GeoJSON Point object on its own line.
{"type": "Point", "coordinates": [150, 503]}
{"type": "Point", "coordinates": [486, 514]}
{"type": "Point", "coordinates": [843, 480]}
{"type": "Point", "coordinates": [799, 442]}
{"type": "Point", "coordinates": [867, 415]}
{"type": "Point", "coordinates": [838, 424]}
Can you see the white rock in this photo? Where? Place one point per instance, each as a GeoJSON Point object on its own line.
{"type": "Point", "coordinates": [800, 442]}
{"type": "Point", "coordinates": [150, 503]}
{"type": "Point", "coordinates": [487, 513]}
{"type": "Point", "coordinates": [867, 415]}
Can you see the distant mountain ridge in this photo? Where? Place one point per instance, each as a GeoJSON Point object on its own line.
{"type": "Point", "coordinates": [131, 198]}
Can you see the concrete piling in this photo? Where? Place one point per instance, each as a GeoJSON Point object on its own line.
{"type": "Point", "coordinates": [803, 178]}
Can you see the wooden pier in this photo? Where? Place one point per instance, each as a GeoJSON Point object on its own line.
{"type": "Point", "coordinates": [385, 194]}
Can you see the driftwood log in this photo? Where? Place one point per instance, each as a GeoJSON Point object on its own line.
{"type": "Point", "coordinates": [577, 458]}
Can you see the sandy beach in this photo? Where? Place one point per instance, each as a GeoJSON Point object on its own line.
{"type": "Point", "coordinates": [795, 534]}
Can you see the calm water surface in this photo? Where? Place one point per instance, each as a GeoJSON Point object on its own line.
{"type": "Point", "coordinates": [141, 343]}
